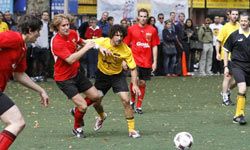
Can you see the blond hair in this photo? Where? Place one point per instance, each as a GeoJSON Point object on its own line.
{"type": "Point", "coordinates": [57, 21]}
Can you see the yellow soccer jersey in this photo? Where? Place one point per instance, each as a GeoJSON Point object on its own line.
{"type": "Point", "coordinates": [224, 33]}
{"type": "Point", "coordinates": [111, 65]}
{"type": "Point", "coordinates": [3, 27]}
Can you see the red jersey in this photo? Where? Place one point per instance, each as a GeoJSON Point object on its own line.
{"type": "Point", "coordinates": [142, 40]}
{"type": "Point", "coordinates": [12, 56]}
{"type": "Point", "coordinates": [62, 47]}
{"type": "Point", "coordinates": [92, 33]}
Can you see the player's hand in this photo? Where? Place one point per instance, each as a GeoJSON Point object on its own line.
{"type": "Point", "coordinates": [226, 72]}
{"type": "Point", "coordinates": [218, 57]}
{"type": "Point", "coordinates": [136, 90]}
{"type": "Point", "coordinates": [105, 52]}
{"type": "Point", "coordinates": [44, 98]}
{"type": "Point", "coordinates": [124, 65]}
{"type": "Point", "coordinates": [89, 44]}
{"type": "Point", "coordinates": [154, 65]}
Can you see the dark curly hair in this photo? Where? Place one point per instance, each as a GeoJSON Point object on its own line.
{"type": "Point", "coordinates": [117, 28]}
{"type": "Point", "coordinates": [29, 23]}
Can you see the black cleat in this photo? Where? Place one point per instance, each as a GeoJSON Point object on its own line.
{"type": "Point", "coordinates": [78, 133]}
{"type": "Point", "coordinates": [240, 119]}
{"type": "Point", "coordinates": [139, 111]}
{"type": "Point", "coordinates": [228, 103]}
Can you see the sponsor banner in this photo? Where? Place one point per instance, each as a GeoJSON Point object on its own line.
{"type": "Point", "coordinates": [197, 3]}
{"type": "Point", "coordinates": [177, 6]}
{"type": "Point", "coordinates": [119, 9]}
{"type": "Point", "coordinates": [237, 4]}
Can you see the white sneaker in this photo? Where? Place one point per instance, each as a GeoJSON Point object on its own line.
{"type": "Point", "coordinates": [99, 122]}
{"type": "Point", "coordinates": [134, 134]}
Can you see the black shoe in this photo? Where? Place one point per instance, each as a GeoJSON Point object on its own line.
{"type": "Point", "coordinates": [72, 111]}
{"type": "Point", "coordinates": [240, 119]}
{"type": "Point", "coordinates": [139, 111]}
{"type": "Point", "coordinates": [228, 103]}
{"type": "Point", "coordinates": [78, 133]}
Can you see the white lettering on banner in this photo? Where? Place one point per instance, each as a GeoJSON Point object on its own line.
{"type": "Point", "coordinates": [144, 45]}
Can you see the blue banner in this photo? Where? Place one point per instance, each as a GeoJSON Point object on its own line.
{"type": "Point", "coordinates": [20, 6]}
{"type": "Point", "coordinates": [57, 6]}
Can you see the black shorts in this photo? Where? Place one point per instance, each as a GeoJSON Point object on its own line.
{"type": "Point", "coordinates": [241, 76]}
{"type": "Point", "coordinates": [144, 73]}
{"type": "Point", "coordinates": [5, 103]}
{"type": "Point", "coordinates": [73, 86]}
{"type": "Point", "coordinates": [104, 82]}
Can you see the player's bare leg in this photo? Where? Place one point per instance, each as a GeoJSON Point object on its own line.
{"type": "Point", "coordinates": [14, 125]}
{"type": "Point", "coordinates": [129, 114]}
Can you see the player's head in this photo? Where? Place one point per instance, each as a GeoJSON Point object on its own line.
{"type": "Point", "coordinates": [234, 15]}
{"type": "Point", "coordinates": [60, 24]}
{"type": "Point", "coordinates": [244, 20]}
{"type": "Point", "coordinates": [116, 34]}
{"type": "Point", "coordinates": [30, 26]}
{"type": "Point", "coordinates": [142, 16]}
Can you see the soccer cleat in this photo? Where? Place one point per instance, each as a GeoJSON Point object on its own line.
{"type": "Point", "coordinates": [99, 122]}
{"type": "Point", "coordinates": [227, 103]}
{"type": "Point", "coordinates": [134, 134]}
{"type": "Point", "coordinates": [139, 111]}
{"type": "Point", "coordinates": [226, 100]}
{"type": "Point", "coordinates": [72, 111]}
{"type": "Point", "coordinates": [240, 119]}
{"type": "Point", "coordinates": [78, 133]}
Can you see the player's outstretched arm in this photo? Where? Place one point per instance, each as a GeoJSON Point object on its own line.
{"type": "Point", "coordinates": [25, 80]}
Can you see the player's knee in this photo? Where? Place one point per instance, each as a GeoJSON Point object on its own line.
{"type": "Point", "coordinates": [242, 90]}
{"type": "Point", "coordinates": [97, 96]}
{"type": "Point", "coordinates": [82, 108]}
{"type": "Point", "coordinates": [18, 125]}
{"type": "Point", "coordinates": [142, 83]}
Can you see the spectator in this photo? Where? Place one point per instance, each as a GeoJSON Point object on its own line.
{"type": "Point", "coordinates": [151, 21]}
{"type": "Point", "coordinates": [110, 20]}
{"type": "Point", "coordinates": [169, 49]}
{"type": "Point", "coordinates": [10, 21]}
{"type": "Point", "coordinates": [103, 24]}
{"type": "Point", "coordinates": [124, 23]}
{"type": "Point", "coordinates": [93, 31]}
{"type": "Point", "coordinates": [41, 51]}
{"type": "Point", "coordinates": [172, 19]}
{"type": "Point", "coordinates": [190, 35]}
{"type": "Point", "coordinates": [160, 26]}
{"type": "Point", "coordinates": [205, 35]}
{"type": "Point", "coordinates": [217, 66]}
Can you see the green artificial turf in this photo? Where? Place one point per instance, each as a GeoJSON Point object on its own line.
{"type": "Point", "coordinates": [171, 105]}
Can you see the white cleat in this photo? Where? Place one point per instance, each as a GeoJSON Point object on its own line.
{"type": "Point", "coordinates": [134, 134]}
{"type": "Point", "coordinates": [99, 122]}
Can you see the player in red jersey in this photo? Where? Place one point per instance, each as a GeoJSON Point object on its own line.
{"type": "Point", "coordinates": [67, 74]}
{"type": "Point", "coordinates": [143, 40]}
{"type": "Point", "coordinates": [13, 62]}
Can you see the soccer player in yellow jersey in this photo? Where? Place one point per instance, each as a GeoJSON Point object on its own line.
{"type": "Point", "coordinates": [110, 73]}
{"type": "Point", "coordinates": [228, 82]}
